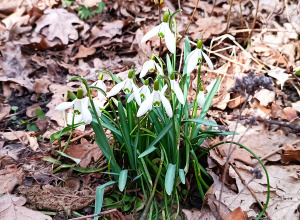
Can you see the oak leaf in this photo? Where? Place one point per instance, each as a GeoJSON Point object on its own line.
{"type": "Point", "coordinates": [61, 25]}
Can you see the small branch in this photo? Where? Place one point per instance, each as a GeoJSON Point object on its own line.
{"type": "Point", "coordinates": [253, 25]}
{"type": "Point", "coordinates": [187, 27]}
{"type": "Point", "coordinates": [22, 142]}
{"type": "Point", "coordinates": [95, 215]}
{"type": "Point", "coordinates": [250, 190]}
{"type": "Point", "coordinates": [228, 16]}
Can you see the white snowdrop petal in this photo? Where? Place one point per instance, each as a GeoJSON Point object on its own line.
{"type": "Point", "coordinates": [163, 90]}
{"type": "Point", "coordinates": [208, 61]}
{"type": "Point", "coordinates": [145, 69]}
{"type": "Point", "coordinates": [116, 89]}
{"type": "Point", "coordinates": [192, 62]}
{"type": "Point", "coordinates": [86, 115]}
{"type": "Point", "coordinates": [145, 106]}
{"type": "Point", "coordinates": [65, 105]}
{"type": "Point", "coordinates": [159, 69]}
{"type": "Point", "coordinates": [128, 86]}
{"type": "Point", "coordinates": [98, 105]}
{"type": "Point", "coordinates": [170, 39]}
{"type": "Point", "coordinates": [151, 33]}
{"type": "Point", "coordinates": [200, 99]}
{"type": "Point", "coordinates": [189, 56]}
{"type": "Point", "coordinates": [136, 94]}
{"type": "Point", "coordinates": [178, 92]}
{"type": "Point", "coordinates": [166, 105]}
{"type": "Point", "coordinates": [130, 98]}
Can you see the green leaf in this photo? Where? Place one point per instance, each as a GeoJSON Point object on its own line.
{"type": "Point", "coordinates": [32, 127]}
{"type": "Point", "coordinates": [156, 140]}
{"type": "Point", "coordinates": [169, 65]}
{"type": "Point", "coordinates": [84, 12]}
{"type": "Point", "coordinates": [100, 8]}
{"type": "Point", "coordinates": [170, 177]}
{"type": "Point", "coordinates": [76, 160]}
{"type": "Point", "coordinates": [40, 114]}
{"type": "Point", "coordinates": [67, 129]}
{"type": "Point", "coordinates": [181, 175]}
{"type": "Point", "coordinates": [13, 118]}
{"type": "Point", "coordinates": [122, 179]}
{"type": "Point", "coordinates": [99, 197]}
{"type": "Point", "coordinates": [14, 108]}
{"type": "Point", "coordinates": [201, 121]}
{"type": "Point", "coordinates": [126, 208]}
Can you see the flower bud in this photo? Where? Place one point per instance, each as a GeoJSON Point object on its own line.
{"type": "Point", "coordinates": [101, 76]}
{"type": "Point", "coordinates": [130, 74]}
{"type": "Point", "coordinates": [172, 76]}
{"type": "Point", "coordinates": [166, 17]}
{"type": "Point", "coordinates": [199, 44]}
{"type": "Point", "coordinates": [146, 82]}
{"type": "Point", "coordinates": [156, 85]}
{"type": "Point", "coordinates": [80, 93]}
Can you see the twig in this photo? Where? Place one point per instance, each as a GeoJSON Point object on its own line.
{"type": "Point", "coordinates": [187, 27]}
{"type": "Point", "coordinates": [19, 112]}
{"type": "Point", "coordinates": [269, 154]}
{"type": "Point", "coordinates": [253, 25]}
{"type": "Point", "coordinates": [228, 16]}
{"type": "Point", "coordinates": [250, 190]}
{"type": "Point", "coordinates": [159, 20]}
{"type": "Point", "coordinates": [99, 214]}
{"type": "Point", "coordinates": [75, 139]}
{"type": "Point", "coordinates": [23, 144]}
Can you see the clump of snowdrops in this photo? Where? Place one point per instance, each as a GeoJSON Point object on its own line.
{"type": "Point", "coordinates": [155, 138]}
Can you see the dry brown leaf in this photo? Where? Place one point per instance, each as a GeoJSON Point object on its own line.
{"type": "Point", "coordinates": [207, 27]}
{"type": "Point", "coordinates": [11, 208]}
{"type": "Point", "coordinates": [85, 152]}
{"type": "Point", "coordinates": [290, 113]}
{"type": "Point", "coordinates": [290, 154]}
{"type": "Point", "coordinates": [41, 85]}
{"type": "Point", "coordinates": [61, 25]}
{"type": "Point", "coordinates": [236, 214]}
{"type": "Point", "coordinates": [32, 139]}
{"type": "Point", "coordinates": [16, 17]}
{"type": "Point", "coordinates": [30, 112]}
{"type": "Point", "coordinates": [84, 52]}
{"type": "Point", "coordinates": [296, 106]}
{"type": "Point", "coordinates": [12, 136]}
{"type": "Point", "coordinates": [56, 198]}
{"type": "Point", "coordinates": [10, 177]}
{"type": "Point", "coordinates": [265, 97]}
{"type": "Point", "coordinates": [4, 111]}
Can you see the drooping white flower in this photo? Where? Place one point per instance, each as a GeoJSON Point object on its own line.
{"type": "Point", "coordinates": [154, 100]}
{"type": "Point", "coordinates": [127, 86]}
{"type": "Point", "coordinates": [195, 57]}
{"type": "Point", "coordinates": [201, 98]}
{"type": "Point", "coordinates": [143, 91]}
{"type": "Point", "coordinates": [150, 66]}
{"type": "Point", "coordinates": [175, 88]}
{"type": "Point", "coordinates": [80, 107]}
{"type": "Point", "coordinates": [163, 31]}
{"type": "Point", "coordinates": [100, 83]}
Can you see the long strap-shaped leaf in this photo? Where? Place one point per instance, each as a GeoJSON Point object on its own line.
{"type": "Point", "coordinates": [151, 147]}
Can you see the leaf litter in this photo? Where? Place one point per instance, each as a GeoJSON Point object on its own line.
{"type": "Point", "coordinates": [39, 52]}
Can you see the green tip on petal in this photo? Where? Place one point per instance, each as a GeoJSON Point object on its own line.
{"type": "Point", "coordinates": [172, 77]}
{"type": "Point", "coordinates": [166, 17]}
{"type": "Point", "coordinates": [131, 73]}
{"type": "Point", "coordinates": [153, 57]}
{"type": "Point", "coordinates": [80, 93]}
{"type": "Point", "coordinates": [201, 88]}
{"type": "Point", "coordinates": [146, 82]}
{"type": "Point", "coordinates": [199, 44]}
{"type": "Point", "coordinates": [156, 85]}
{"type": "Point", "coordinates": [101, 76]}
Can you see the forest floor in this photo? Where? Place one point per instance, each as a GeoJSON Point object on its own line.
{"type": "Point", "coordinates": [45, 42]}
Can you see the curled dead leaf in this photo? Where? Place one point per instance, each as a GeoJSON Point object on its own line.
{"type": "Point", "coordinates": [10, 177]}
{"type": "Point", "coordinates": [4, 111]}
{"type": "Point", "coordinates": [290, 113]}
{"type": "Point", "coordinates": [30, 112]}
{"type": "Point", "coordinates": [41, 85]}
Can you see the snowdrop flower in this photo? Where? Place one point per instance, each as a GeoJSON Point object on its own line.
{"type": "Point", "coordinates": [195, 57]}
{"type": "Point", "coordinates": [80, 106]}
{"type": "Point", "coordinates": [101, 85]}
{"type": "Point", "coordinates": [163, 31]}
{"type": "Point", "coordinates": [201, 98]}
{"type": "Point", "coordinates": [143, 91]}
{"type": "Point", "coordinates": [154, 100]}
{"type": "Point", "coordinates": [175, 88]}
{"type": "Point", "coordinates": [150, 66]}
{"type": "Point", "coordinates": [127, 86]}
